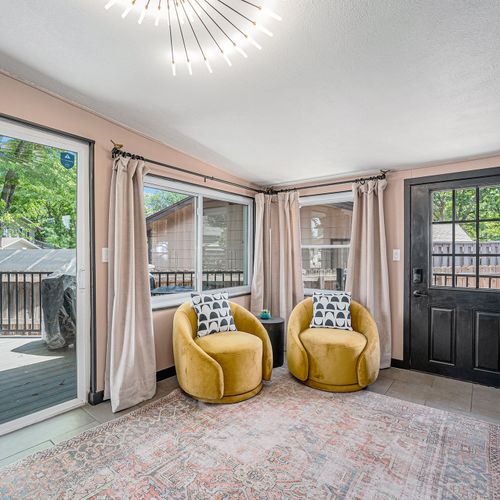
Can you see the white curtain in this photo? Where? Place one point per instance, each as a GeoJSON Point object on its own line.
{"type": "Point", "coordinates": [130, 357]}
{"type": "Point", "coordinates": [367, 268]}
{"type": "Point", "coordinates": [277, 280]}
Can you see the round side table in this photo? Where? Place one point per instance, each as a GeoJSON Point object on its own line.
{"type": "Point", "coordinates": [275, 327]}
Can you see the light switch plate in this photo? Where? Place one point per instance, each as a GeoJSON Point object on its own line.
{"type": "Point", "coordinates": [105, 255]}
{"type": "Point", "coordinates": [396, 254]}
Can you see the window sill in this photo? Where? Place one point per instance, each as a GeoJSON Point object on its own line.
{"type": "Point", "coordinates": [170, 302]}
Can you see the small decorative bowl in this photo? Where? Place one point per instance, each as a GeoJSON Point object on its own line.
{"type": "Point", "coordinates": [265, 314]}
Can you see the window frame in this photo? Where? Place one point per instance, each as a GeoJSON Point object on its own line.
{"type": "Point", "coordinates": [322, 199]}
{"type": "Point", "coordinates": [199, 192]}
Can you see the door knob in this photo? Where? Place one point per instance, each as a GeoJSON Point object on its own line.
{"type": "Point", "coordinates": [419, 293]}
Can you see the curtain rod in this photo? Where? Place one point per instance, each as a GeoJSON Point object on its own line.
{"type": "Point", "coordinates": [359, 180]}
{"type": "Point", "coordinates": [118, 151]}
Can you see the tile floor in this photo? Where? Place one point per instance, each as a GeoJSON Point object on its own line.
{"type": "Point", "coordinates": [430, 390]}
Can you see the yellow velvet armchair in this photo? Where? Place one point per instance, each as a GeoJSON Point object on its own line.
{"type": "Point", "coordinates": [222, 367]}
{"type": "Point", "coordinates": [329, 359]}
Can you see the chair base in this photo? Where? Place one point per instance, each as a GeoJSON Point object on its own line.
{"type": "Point", "coordinates": [333, 388]}
{"type": "Point", "coordinates": [234, 399]}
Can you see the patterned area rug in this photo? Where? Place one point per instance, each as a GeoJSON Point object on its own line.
{"type": "Point", "coordinates": [289, 442]}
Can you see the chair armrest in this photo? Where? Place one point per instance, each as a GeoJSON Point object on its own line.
{"type": "Point", "coordinates": [298, 362]}
{"type": "Point", "coordinates": [198, 373]}
{"type": "Point", "coordinates": [246, 322]}
{"type": "Point", "coordinates": [369, 360]}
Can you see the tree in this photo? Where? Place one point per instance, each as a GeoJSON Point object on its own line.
{"type": "Point", "coordinates": [158, 199]}
{"type": "Point", "coordinates": [35, 186]}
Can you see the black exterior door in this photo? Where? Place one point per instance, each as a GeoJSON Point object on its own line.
{"type": "Point", "coordinates": [454, 278]}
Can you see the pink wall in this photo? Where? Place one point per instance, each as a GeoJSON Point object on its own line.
{"type": "Point", "coordinates": [394, 210]}
{"type": "Point", "coordinates": [23, 101]}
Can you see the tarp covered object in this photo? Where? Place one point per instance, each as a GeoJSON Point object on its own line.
{"type": "Point", "coordinates": [59, 308]}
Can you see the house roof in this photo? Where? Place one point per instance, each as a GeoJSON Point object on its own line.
{"type": "Point", "coordinates": [168, 210]}
{"type": "Point", "coordinates": [6, 242]}
{"type": "Point", "coordinates": [443, 233]}
{"type": "Point", "coordinates": [38, 260]}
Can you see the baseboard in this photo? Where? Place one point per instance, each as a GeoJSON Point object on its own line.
{"type": "Point", "coordinates": [166, 373]}
{"type": "Point", "coordinates": [98, 397]}
{"type": "Point", "coordinates": [399, 363]}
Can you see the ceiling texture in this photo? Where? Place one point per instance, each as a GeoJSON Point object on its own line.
{"type": "Point", "coordinates": [343, 87]}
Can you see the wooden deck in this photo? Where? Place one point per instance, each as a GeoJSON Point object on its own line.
{"type": "Point", "coordinates": [33, 378]}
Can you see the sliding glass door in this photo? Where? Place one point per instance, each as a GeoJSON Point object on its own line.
{"type": "Point", "coordinates": [44, 263]}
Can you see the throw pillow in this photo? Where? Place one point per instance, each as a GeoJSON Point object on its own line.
{"type": "Point", "coordinates": [331, 310]}
{"type": "Point", "coordinates": [214, 313]}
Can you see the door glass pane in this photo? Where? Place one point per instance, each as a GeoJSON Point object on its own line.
{"type": "Point", "coordinates": [465, 204]}
{"type": "Point", "coordinates": [38, 293]}
{"type": "Point", "coordinates": [170, 226]}
{"type": "Point", "coordinates": [489, 271]}
{"type": "Point", "coordinates": [465, 238]}
{"type": "Point", "coordinates": [465, 273]}
{"type": "Point", "coordinates": [442, 271]}
{"type": "Point", "coordinates": [442, 206]}
{"type": "Point", "coordinates": [225, 255]}
{"type": "Point", "coordinates": [489, 248]}
{"type": "Point", "coordinates": [442, 238]}
{"type": "Point", "coordinates": [489, 202]}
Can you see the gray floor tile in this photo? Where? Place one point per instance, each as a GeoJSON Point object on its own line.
{"type": "Point", "coordinates": [444, 400]}
{"type": "Point", "coordinates": [381, 386]}
{"type": "Point", "coordinates": [38, 433]}
{"type": "Point", "coordinates": [24, 453]}
{"type": "Point", "coordinates": [407, 391]}
{"type": "Point", "coordinates": [452, 386]}
{"type": "Point", "coordinates": [73, 433]}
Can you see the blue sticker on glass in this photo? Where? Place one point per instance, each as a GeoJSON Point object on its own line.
{"type": "Point", "coordinates": [67, 159]}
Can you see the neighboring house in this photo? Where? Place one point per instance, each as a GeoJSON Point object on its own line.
{"type": "Point", "coordinates": [17, 244]}
{"type": "Point", "coordinates": [171, 237]}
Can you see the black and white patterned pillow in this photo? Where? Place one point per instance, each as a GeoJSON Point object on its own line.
{"type": "Point", "coordinates": [214, 313]}
{"type": "Point", "coordinates": [331, 310]}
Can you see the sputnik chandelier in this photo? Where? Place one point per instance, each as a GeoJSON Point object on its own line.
{"type": "Point", "coordinates": [203, 30]}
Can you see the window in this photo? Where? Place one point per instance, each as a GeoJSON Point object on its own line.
{"type": "Point", "coordinates": [465, 248]}
{"type": "Point", "coordinates": [325, 223]}
{"type": "Point", "coordinates": [198, 239]}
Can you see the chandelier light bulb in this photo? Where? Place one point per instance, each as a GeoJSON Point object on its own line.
{"type": "Point", "coordinates": [204, 28]}
{"type": "Point", "coordinates": [126, 12]}
{"type": "Point", "coordinates": [224, 55]}
{"type": "Point", "coordinates": [254, 43]}
{"type": "Point", "coordinates": [270, 13]}
{"type": "Point", "coordinates": [241, 51]}
{"type": "Point", "coordinates": [110, 4]}
{"type": "Point", "coordinates": [263, 29]}
{"type": "Point", "coordinates": [142, 16]}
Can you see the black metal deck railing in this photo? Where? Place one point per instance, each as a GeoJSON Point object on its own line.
{"type": "Point", "coordinates": [186, 279]}
{"type": "Point", "coordinates": [20, 303]}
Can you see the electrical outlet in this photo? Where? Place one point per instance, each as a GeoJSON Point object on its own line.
{"type": "Point", "coordinates": [396, 254]}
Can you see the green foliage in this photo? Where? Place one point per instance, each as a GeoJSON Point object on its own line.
{"type": "Point", "coordinates": [35, 186]}
{"type": "Point", "coordinates": [158, 199]}
{"type": "Point", "coordinates": [465, 210]}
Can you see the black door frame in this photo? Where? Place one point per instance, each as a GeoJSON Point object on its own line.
{"type": "Point", "coordinates": [464, 175]}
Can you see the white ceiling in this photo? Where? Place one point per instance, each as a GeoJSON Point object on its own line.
{"type": "Point", "coordinates": [344, 86]}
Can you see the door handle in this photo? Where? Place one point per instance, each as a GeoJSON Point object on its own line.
{"type": "Point", "coordinates": [419, 293]}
